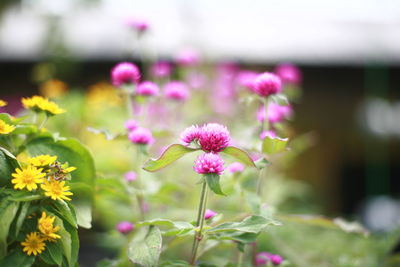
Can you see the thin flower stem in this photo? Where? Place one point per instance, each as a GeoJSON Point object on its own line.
{"type": "Point", "coordinates": [262, 173]}
{"type": "Point", "coordinates": [240, 259]}
{"type": "Point", "coordinates": [43, 122]}
{"type": "Point", "coordinates": [139, 194]}
{"type": "Point", "coordinates": [129, 104]}
{"type": "Point", "coordinates": [200, 223]}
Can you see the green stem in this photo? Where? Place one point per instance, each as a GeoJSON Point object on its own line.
{"type": "Point", "coordinates": [200, 223]}
{"type": "Point", "coordinates": [260, 181]}
{"type": "Point", "coordinates": [139, 194]}
{"type": "Point", "coordinates": [43, 122]}
{"type": "Point", "coordinates": [240, 259]}
{"type": "Point", "coordinates": [129, 104]}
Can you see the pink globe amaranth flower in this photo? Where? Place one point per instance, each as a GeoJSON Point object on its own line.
{"type": "Point", "coordinates": [269, 133]}
{"type": "Point", "coordinates": [125, 73]}
{"type": "Point", "coordinates": [130, 176]}
{"type": "Point", "coordinates": [125, 227]}
{"type": "Point", "coordinates": [138, 24]}
{"type": "Point", "coordinates": [246, 79]}
{"type": "Point", "coordinates": [141, 136]}
{"type": "Point", "coordinates": [261, 114]}
{"type": "Point", "coordinates": [209, 214]}
{"type": "Point", "coordinates": [276, 259]}
{"type": "Point", "coordinates": [262, 258]}
{"type": "Point", "coordinates": [209, 163]}
{"type": "Point", "coordinates": [277, 113]}
{"type": "Point", "coordinates": [289, 73]}
{"type": "Point", "coordinates": [131, 125]}
{"type": "Point", "coordinates": [188, 57]}
{"type": "Point", "coordinates": [190, 134]}
{"type": "Point", "coordinates": [235, 167]}
{"type": "Point", "coordinates": [176, 90]}
{"type": "Point", "coordinates": [266, 84]}
{"type": "Point", "coordinates": [161, 69]}
{"type": "Point", "coordinates": [214, 137]}
{"type": "Point", "coordinates": [147, 88]}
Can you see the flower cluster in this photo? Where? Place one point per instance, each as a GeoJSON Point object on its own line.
{"type": "Point", "coordinates": [263, 258]}
{"type": "Point", "coordinates": [5, 128]}
{"type": "Point", "coordinates": [138, 135]}
{"type": "Point", "coordinates": [45, 171]}
{"type": "Point", "coordinates": [39, 104]}
{"type": "Point", "coordinates": [34, 242]}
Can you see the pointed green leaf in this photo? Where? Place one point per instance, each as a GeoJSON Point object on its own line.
{"type": "Point", "coordinates": [145, 248]}
{"type": "Point", "coordinates": [251, 224]}
{"type": "Point", "coordinates": [213, 183]}
{"type": "Point", "coordinates": [273, 145]}
{"type": "Point", "coordinates": [8, 210]}
{"type": "Point", "coordinates": [8, 165]}
{"type": "Point", "coordinates": [178, 228]}
{"type": "Point", "coordinates": [170, 155]}
{"type": "Point", "coordinates": [17, 258]}
{"type": "Point", "coordinates": [240, 155]}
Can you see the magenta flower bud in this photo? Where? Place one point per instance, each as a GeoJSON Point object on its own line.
{"type": "Point", "coordinates": [147, 88]}
{"type": "Point", "coordinates": [125, 227]}
{"type": "Point", "coordinates": [289, 74]}
{"type": "Point", "coordinates": [161, 69]}
{"type": "Point", "coordinates": [125, 73]}
{"type": "Point", "coordinates": [214, 137]}
{"type": "Point", "coordinates": [246, 79]}
{"type": "Point", "coordinates": [209, 163]}
{"type": "Point", "coordinates": [235, 167]}
{"type": "Point", "coordinates": [190, 134]}
{"type": "Point", "coordinates": [141, 136]}
{"type": "Point", "coordinates": [131, 125]}
{"type": "Point", "coordinates": [261, 114]}
{"type": "Point", "coordinates": [209, 214]}
{"type": "Point", "coordinates": [276, 259]}
{"type": "Point", "coordinates": [269, 133]}
{"type": "Point", "coordinates": [188, 57]}
{"type": "Point", "coordinates": [130, 176]}
{"type": "Point", "coordinates": [176, 90]}
{"type": "Point", "coordinates": [137, 24]}
{"type": "Point", "coordinates": [266, 84]}
{"type": "Point", "coordinates": [262, 258]}
{"type": "Point", "coordinates": [277, 113]}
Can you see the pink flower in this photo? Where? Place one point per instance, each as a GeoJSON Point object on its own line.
{"type": "Point", "coordinates": [190, 134]}
{"type": "Point", "coordinates": [161, 69]}
{"type": "Point", "coordinates": [263, 258]}
{"type": "Point", "coordinates": [137, 24]}
{"type": "Point", "coordinates": [131, 125]}
{"type": "Point", "coordinates": [147, 88]}
{"type": "Point", "coordinates": [125, 73]}
{"type": "Point", "coordinates": [209, 214]}
{"type": "Point", "coordinates": [266, 84]}
{"type": "Point", "coordinates": [235, 167]}
{"type": "Point", "coordinates": [289, 74]}
{"type": "Point", "coordinates": [277, 113]}
{"type": "Point", "coordinates": [276, 259]}
{"type": "Point", "coordinates": [214, 137]}
{"type": "Point", "coordinates": [141, 136]}
{"type": "Point", "coordinates": [209, 163]}
{"type": "Point", "coordinates": [246, 79]}
{"type": "Point", "coordinates": [188, 57]}
{"type": "Point", "coordinates": [176, 90]}
{"type": "Point", "coordinates": [130, 176]}
{"type": "Point", "coordinates": [125, 227]}
{"type": "Point", "coordinates": [261, 113]}
{"type": "Point", "coordinates": [269, 133]}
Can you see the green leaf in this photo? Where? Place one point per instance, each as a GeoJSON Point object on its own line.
{"type": "Point", "coordinates": [179, 228]}
{"type": "Point", "coordinates": [273, 145]}
{"type": "Point", "coordinates": [6, 118]}
{"type": "Point", "coordinates": [240, 155]}
{"type": "Point", "coordinates": [62, 210]}
{"type": "Point", "coordinates": [73, 152]}
{"type": "Point", "coordinates": [25, 129]}
{"type": "Point", "coordinates": [21, 216]}
{"type": "Point", "coordinates": [17, 258]}
{"type": "Point", "coordinates": [145, 248]}
{"type": "Point", "coordinates": [170, 155]}
{"type": "Point", "coordinates": [176, 263]}
{"type": "Point", "coordinates": [8, 165]}
{"type": "Point", "coordinates": [251, 224]}
{"type": "Point", "coordinates": [213, 183]}
{"type": "Point", "coordinates": [56, 252]}
{"type": "Point", "coordinates": [69, 242]}
{"type": "Point", "coordinates": [24, 196]}
{"type": "Point", "coordinates": [8, 210]}
{"type": "Point", "coordinates": [262, 163]}
{"type": "Point", "coordinates": [245, 238]}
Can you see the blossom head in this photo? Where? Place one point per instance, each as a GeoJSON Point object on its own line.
{"type": "Point", "coordinates": [125, 73]}
{"type": "Point", "coordinates": [6, 128]}
{"type": "Point", "coordinates": [147, 88]}
{"type": "Point", "coordinates": [277, 113]}
{"type": "Point", "coordinates": [125, 227]}
{"type": "Point", "coordinates": [264, 257]}
{"type": "Point", "coordinates": [161, 69]}
{"type": "Point", "coordinates": [176, 90]}
{"type": "Point", "coordinates": [266, 84]}
{"type": "Point", "coordinates": [190, 134]}
{"type": "Point", "coordinates": [137, 24]}
{"type": "Point", "coordinates": [209, 163]}
{"type": "Point", "coordinates": [131, 125]}
{"type": "Point", "coordinates": [209, 214]}
{"type": "Point", "coordinates": [214, 137]}
{"type": "Point", "coordinates": [188, 57]}
{"type": "Point", "coordinates": [130, 176]}
{"type": "Point", "coordinates": [289, 74]}
{"type": "Point", "coordinates": [46, 227]}
{"type": "Point", "coordinates": [235, 167]}
{"type": "Point", "coordinates": [246, 78]}
{"type": "Point", "coordinates": [27, 177]}
{"type": "Point", "coordinates": [141, 136]}
{"type": "Point", "coordinates": [33, 244]}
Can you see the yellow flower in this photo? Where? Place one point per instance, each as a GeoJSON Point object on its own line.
{"type": "Point", "coordinates": [45, 226]}
{"type": "Point", "coordinates": [56, 190]}
{"type": "Point", "coordinates": [3, 103]}
{"type": "Point", "coordinates": [33, 244]}
{"type": "Point", "coordinates": [28, 177]}
{"type": "Point", "coordinates": [69, 169]}
{"type": "Point", "coordinates": [38, 103]}
{"type": "Point", "coordinates": [42, 160]}
{"type": "Point", "coordinates": [5, 128]}
{"type": "Point", "coordinates": [53, 88]}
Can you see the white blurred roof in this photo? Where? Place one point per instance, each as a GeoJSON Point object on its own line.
{"type": "Point", "coordinates": [304, 31]}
